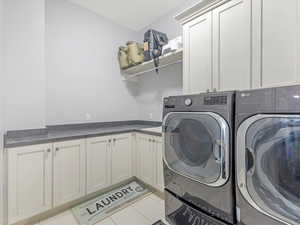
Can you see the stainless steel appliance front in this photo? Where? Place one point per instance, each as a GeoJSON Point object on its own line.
{"type": "Point", "coordinates": [196, 146]}
{"type": "Point", "coordinates": [268, 165]}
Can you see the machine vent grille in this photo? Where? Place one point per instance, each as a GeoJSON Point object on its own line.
{"type": "Point", "coordinates": [215, 100]}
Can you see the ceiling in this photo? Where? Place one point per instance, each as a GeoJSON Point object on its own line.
{"type": "Point", "coordinates": [133, 14]}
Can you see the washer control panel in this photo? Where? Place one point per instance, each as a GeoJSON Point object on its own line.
{"type": "Point", "coordinates": [215, 100]}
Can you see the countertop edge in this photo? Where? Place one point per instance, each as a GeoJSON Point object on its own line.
{"type": "Point", "coordinates": [69, 138]}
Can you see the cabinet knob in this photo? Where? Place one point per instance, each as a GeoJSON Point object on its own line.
{"type": "Point", "coordinates": [57, 149]}
{"type": "Point", "coordinates": [48, 150]}
{"type": "Point", "coordinates": [109, 140]}
{"type": "Point", "coordinates": [114, 140]}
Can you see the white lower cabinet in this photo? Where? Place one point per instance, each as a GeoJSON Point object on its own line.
{"type": "Point", "coordinates": [121, 151]}
{"type": "Point", "coordinates": [146, 159]}
{"type": "Point", "coordinates": [69, 171]}
{"type": "Point", "coordinates": [150, 160]}
{"type": "Point", "coordinates": [29, 181]}
{"type": "Point", "coordinates": [109, 161]}
{"type": "Point", "coordinates": [41, 177]}
{"type": "Point", "coordinates": [158, 145]}
{"type": "Point", "coordinates": [98, 158]}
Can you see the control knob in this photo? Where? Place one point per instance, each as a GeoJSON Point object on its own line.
{"type": "Point", "coordinates": [188, 102]}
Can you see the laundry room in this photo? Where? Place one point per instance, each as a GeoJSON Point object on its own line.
{"type": "Point", "coordinates": [174, 112]}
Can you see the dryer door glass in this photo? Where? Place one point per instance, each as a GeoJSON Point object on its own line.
{"type": "Point", "coordinates": [273, 166]}
{"type": "Point", "coordinates": [196, 146]}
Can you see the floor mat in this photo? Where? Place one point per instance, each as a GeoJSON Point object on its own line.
{"type": "Point", "coordinates": [95, 210]}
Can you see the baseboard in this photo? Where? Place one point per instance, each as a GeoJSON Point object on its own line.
{"type": "Point", "coordinates": [152, 189]}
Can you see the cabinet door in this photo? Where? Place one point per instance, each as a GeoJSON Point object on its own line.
{"type": "Point", "coordinates": [29, 181]}
{"type": "Point", "coordinates": [159, 164]}
{"type": "Point", "coordinates": [146, 156]}
{"type": "Point", "coordinates": [121, 158]}
{"type": "Point", "coordinates": [69, 171]}
{"type": "Point", "coordinates": [134, 155]}
{"type": "Point", "coordinates": [198, 54]}
{"type": "Point", "coordinates": [98, 161]}
{"type": "Point", "coordinates": [276, 42]}
{"type": "Point", "coordinates": [232, 45]}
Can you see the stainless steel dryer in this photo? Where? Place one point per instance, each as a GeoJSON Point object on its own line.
{"type": "Point", "coordinates": [268, 156]}
{"type": "Point", "coordinates": [198, 151]}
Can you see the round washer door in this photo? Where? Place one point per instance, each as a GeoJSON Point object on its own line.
{"type": "Point", "coordinates": [268, 162]}
{"type": "Point", "coordinates": [196, 145]}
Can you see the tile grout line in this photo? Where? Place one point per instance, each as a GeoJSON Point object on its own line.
{"type": "Point", "coordinates": [148, 195]}
{"type": "Point", "coordinates": [114, 222]}
{"type": "Point", "coordinates": [140, 214]}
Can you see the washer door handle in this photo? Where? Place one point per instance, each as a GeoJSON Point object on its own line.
{"type": "Point", "coordinates": [221, 157]}
{"type": "Point", "coordinates": [250, 161]}
{"type": "Point", "coordinates": [218, 151]}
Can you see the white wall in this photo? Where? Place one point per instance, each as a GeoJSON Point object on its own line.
{"type": "Point", "coordinates": [1, 112]}
{"type": "Point", "coordinates": [82, 69]}
{"type": "Point", "coordinates": [58, 67]}
{"type": "Point", "coordinates": [24, 38]}
{"type": "Point", "coordinates": [153, 88]}
{"type": "Point", "coordinates": [1, 76]}
{"type": "Point", "coordinates": [167, 23]}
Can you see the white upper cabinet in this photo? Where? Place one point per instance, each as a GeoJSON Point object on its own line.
{"type": "Point", "coordinates": [276, 42]}
{"type": "Point", "coordinates": [198, 54]}
{"type": "Point", "coordinates": [29, 181]}
{"type": "Point", "coordinates": [98, 159]}
{"type": "Point", "coordinates": [232, 46]}
{"type": "Point", "coordinates": [121, 158]}
{"type": "Point", "coordinates": [217, 46]}
{"type": "Point", "coordinates": [255, 43]}
{"type": "Point", "coordinates": [69, 171]}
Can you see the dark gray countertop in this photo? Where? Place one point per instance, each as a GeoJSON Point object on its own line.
{"type": "Point", "coordinates": [71, 132]}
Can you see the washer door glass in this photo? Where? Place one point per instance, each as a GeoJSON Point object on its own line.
{"type": "Point", "coordinates": [193, 145]}
{"type": "Point", "coordinates": [273, 166]}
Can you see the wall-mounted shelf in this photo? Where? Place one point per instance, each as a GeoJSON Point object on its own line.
{"type": "Point", "coordinates": [164, 61]}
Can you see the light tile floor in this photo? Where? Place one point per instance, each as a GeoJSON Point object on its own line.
{"type": "Point", "coordinates": [146, 211]}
